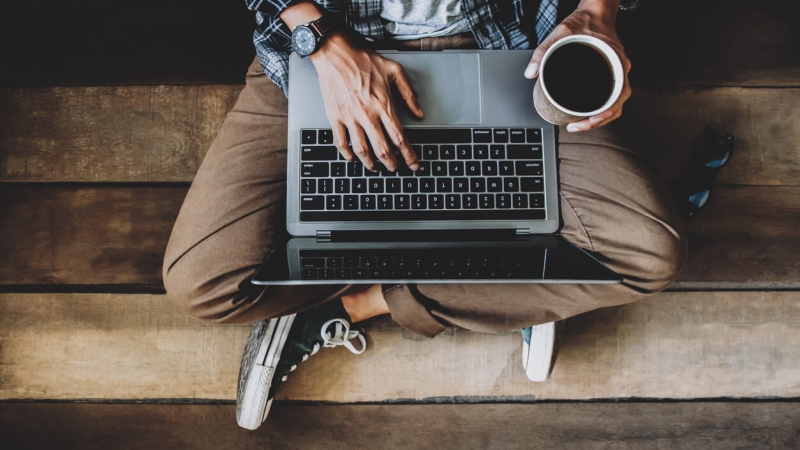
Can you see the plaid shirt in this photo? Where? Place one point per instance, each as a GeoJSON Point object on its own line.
{"type": "Point", "coordinates": [495, 25]}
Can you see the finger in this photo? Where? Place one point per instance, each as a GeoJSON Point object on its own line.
{"type": "Point", "coordinates": [532, 71]}
{"type": "Point", "coordinates": [340, 141]}
{"type": "Point", "coordinates": [394, 130]}
{"type": "Point", "coordinates": [380, 147]}
{"type": "Point", "coordinates": [360, 147]}
{"type": "Point", "coordinates": [407, 92]}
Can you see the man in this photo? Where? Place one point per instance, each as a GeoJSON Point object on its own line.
{"type": "Point", "coordinates": [612, 202]}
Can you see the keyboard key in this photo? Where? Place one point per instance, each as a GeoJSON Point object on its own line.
{"type": "Point", "coordinates": [464, 152]}
{"type": "Point", "coordinates": [386, 172]}
{"type": "Point", "coordinates": [534, 135]}
{"type": "Point", "coordinates": [338, 169]}
{"type": "Point", "coordinates": [334, 202]}
{"type": "Point", "coordinates": [351, 202]}
{"type": "Point", "coordinates": [312, 202]}
{"type": "Point", "coordinates": [529, 167]}
{"type": "Point", "coordinates": [427, 185]}
{"type": "Point", "coordinates": [477, 185]}
{"type": "Point", "coordinates": [424, 169]}
{"type": "Point", "coordinates": [489, 168]}
{"type": "Point", "coordinates": [314, 170]}
{"type": "Point", "coordinates": [439, 168]}
{"type": "Point", "coordinates": [506, 167]}
{"type": "Point", "coordinates": [376, 273]}
{"type": "Point", "coordinates": [374, 173]}
{"type": "Point", "coordinates": [325, 137]}
{"type": "Point", "coordinates": [369, 262]}
{"type": "Point", "coordinates": [500, 135]}
{"type": "Point", "coordinates": [494, 184]}
{"type": "Point", "coordinates": [309, 274]}
{"type": "Point", "coordinates": [453, 201]}
{"type": "Point", "coordinates": [359, 185]}
{"type": "Point", "coordinates": [497, 151]}
{"type": "Point", "coordinates": [394, 185]}
{"type": "Point", "coordinates": [418, 150]}
{"type": "Point", "coordinates": [402, 202]}
{"type": "Point", "coordinates": [419, 201]}
{"type": "Point", "coordinates": [404, 171]}
{"type": "Point", "coordinates": [444, 185]}
{"type": "Point", "coordinates": [460, 185]}
{"type": "Point", "coordinates": [520, 201]}
{"type": "Point", "coordinates": [481, 151]}
{"type": "Point", "coordinates": [360, 273]}
{"type": "Point", "coordinates": [334, 263]}
{"type": "Point", "coordinates": [326, 274]}
{"type": "Point", "coordinates": [355, 169]}
{"type": "Point", "coordinates": [536, 200]}
{"type": "Point", "coordinates": [342, 186]}
{"type": "Point", "coordinates": [430, 152]}
{"type": "Point", "coordinates": [319, 154]}
{"type": "Point", "coordinates": [343, 274]}
{"type": "Point", "coordinates": [473, 168]}
{"type": "Point", "coordinates": [481, 136]}
{"type": "Point", "coordinates": [310, 263]}
{"type": "Point", "coordinates": [385, 202]}
{"type": "Point", "coordinates": [486, 201]}
{"type": "Point", "coordinates": [375, 186]}
{"type": "Point", "coordinates": [470, 201]}
{"type": "Point", "coordinates": [308, 186]}
{"type": "Point", "coordinates": [438, 135]}
{"type": "Point", "coordinates": [325, 186]}
{"type": "Point", "coordinates": [308, 137]}
{"type": "Point", "coordinates": [456, 168]}
{"type": "Point", "coordinates": [436, 201]}
{"type": "Point", "coordinates": [350, 261]}
{"type": "Point", "coordinates": [524, 152]}
{"type": "Point", "coordinates": [531, 184]}
{"type": "Point", "coordinates": [385, 262]}
{"type": "Point", "coordinates": [503, 201]}
{"type": "Point", "coordinates": [447, 152]}
{"type": "Point", "coordinates": [409, 185]}
{"type": "Point", "coordinates": [517, 136]}
{"type": "Point", "coordinates": [511, 184]}
{"type": "Point", "coordinates": [367, 202]}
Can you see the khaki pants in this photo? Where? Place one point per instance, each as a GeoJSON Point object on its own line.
{"type": "Point", "coordinates": [612, 203]}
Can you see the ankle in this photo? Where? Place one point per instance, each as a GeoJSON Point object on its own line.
{"type": "Point", "coordinates": [366, 304]}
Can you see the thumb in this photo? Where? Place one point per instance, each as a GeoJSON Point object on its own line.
{"type": "Point", "coordinates": [532, 71]}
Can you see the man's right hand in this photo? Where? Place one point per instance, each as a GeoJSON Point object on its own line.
{"type": "Point", "coordinates": [356, 87]}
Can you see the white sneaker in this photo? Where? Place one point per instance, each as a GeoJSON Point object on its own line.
{"type": "Point", "coordinates": [539, 349]}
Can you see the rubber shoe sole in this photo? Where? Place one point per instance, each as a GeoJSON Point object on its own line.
{"type": "Point", "coordinates": [539, 357]}
{"type": "Point", "coordinates": [258, 369]}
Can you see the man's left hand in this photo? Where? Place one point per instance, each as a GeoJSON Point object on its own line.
{"type": "Point", "coordinates": [595, 18]}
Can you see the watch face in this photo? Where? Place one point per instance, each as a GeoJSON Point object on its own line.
{"type": "Point", "coordinates": [303, 41]}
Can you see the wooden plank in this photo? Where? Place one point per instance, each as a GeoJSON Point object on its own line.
{"type": "Point", "coordinates": [583, 426]}
{"type": "Point", "coordinates": [142, 133]}
{"type": "Point", "coordinates": [713, 43]}
{"type": "Point", "coordinates": [137, 133]}
{"type": "Point", "coordinates": [76, 234]}
{"type": "Point", "coordinates": [108, 43]}
{"type": "Point", "coordinates": [678, 345]}
{"type": "Point", "coordinates": [116, 235]}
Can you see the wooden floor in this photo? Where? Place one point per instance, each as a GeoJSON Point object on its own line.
{"type": "Point", "coordinates": [100, 140]}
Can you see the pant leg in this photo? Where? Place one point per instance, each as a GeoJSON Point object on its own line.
{"type": "Point", "coordinates": [233, 213]}
{"type": "Point", "coordinates": [613, 204]}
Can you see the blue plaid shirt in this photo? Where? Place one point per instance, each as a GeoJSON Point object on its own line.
{"type": "Point", "coordinates": [495, 25]}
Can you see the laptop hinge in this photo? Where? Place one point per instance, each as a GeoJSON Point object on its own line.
{"type": "Point", "coordinates": [323, 236]}
{"type": "Point", "coordinates": [522, 232]}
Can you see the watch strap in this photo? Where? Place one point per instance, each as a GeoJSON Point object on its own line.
{"type": "Point", "coordinates": [322, 25]}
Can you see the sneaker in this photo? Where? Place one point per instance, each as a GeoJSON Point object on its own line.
{"type": "Point", "coordinates": [540, 345]}
{"type": "Point", "coordinates": [275, 348]}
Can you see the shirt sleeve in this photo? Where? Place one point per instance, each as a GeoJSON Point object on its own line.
{"type": "Point", "coordinates": [270, 7]}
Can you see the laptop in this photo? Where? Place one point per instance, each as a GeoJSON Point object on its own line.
{"type": "Point", "coordinates": [482, 208]}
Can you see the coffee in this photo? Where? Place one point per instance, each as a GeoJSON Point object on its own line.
{"type": "Point", "coordinates": [578, 77]}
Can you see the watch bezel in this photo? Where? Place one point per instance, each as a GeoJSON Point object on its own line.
{"type": "Point", "coordinates": [296, 32]}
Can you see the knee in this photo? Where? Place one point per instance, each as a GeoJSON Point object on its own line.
{"type": "Point", "coordinates": [659, 260]}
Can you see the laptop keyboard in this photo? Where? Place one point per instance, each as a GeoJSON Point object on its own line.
{"type": "Point", "coordinates": [463, 173]}
{"type": "Point", "coordinates": [408, 264]}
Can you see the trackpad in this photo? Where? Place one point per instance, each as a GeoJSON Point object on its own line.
{"type": "Point", "coordinates": [447, 85]}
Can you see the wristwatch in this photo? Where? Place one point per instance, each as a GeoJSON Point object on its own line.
{"type": "Point", "coordinates": [306, 38]}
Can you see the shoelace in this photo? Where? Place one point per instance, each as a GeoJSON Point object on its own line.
{"type": "Point", "coordinates": [341, 336]}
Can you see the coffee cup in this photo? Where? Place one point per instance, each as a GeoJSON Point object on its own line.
{"type": "Point", "coordinates": [580, 76]}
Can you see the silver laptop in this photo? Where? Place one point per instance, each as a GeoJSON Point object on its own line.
{"type": "Point", "coordinates": [483, 206]}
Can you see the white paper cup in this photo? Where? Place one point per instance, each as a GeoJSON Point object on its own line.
{"type": "Point", "coordinates": [556, 114]}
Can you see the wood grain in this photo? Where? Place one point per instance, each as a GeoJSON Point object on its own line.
{"type": "Point", "coordinates": [76, 234]}
{"type": "Point", "coordinates": [582, 426]}
{"type": "Point", "coordinates": [138, 133]}
{"type": "Point", "coordinates": [116, 235]}
{"type": "Point", "coordinates": [80, 42]}
{"type": "Point", "coordinates": [678, 345]}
